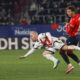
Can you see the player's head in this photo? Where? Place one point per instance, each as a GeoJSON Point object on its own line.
{"type": "Point", "coordinates": [70, 11]}
{"type": "Point", "coordinates": [34, 36]}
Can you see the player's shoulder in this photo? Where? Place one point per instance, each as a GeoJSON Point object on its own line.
{"type": "Point", "coordinates": [41, 35]}
{"type": "Point", "coordinates": [76, 17]}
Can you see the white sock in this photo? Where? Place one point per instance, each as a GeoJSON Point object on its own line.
{"type": "Point", "coordinates": [72, 47]}
{"type": "Point", "coordinates": [69, 64]}
{"type": "Point", "coordinates": [50, 57]}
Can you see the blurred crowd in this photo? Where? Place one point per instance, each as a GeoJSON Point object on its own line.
{"type": "Point", "coordinates": [15, 12]}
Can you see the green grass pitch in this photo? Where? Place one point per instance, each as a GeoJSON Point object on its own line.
{"type": "Point", "coordinates": [34, 67]}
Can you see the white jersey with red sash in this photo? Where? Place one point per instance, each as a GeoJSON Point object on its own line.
{"type": "Point", "coordinates": [44, 40]}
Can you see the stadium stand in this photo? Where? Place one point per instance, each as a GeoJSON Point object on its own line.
{"type": "Point", "coordinates": [35, 11]}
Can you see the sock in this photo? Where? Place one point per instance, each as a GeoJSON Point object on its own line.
{"type": "Point", "coordinates": [74, 57]}
{"type": "Point", "coordinates": [72, 47]}
{"type": "Point", "coordinates": [50, 57]}
{"type": "Point", "coordinates": [65, 57]}
{"type": "Point", "coordinates": [69, 64]}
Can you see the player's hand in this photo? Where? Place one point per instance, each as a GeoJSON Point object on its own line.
{"type": "Point", "coordinates": [21, 57]}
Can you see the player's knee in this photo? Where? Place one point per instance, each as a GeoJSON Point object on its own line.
{"type": "Point", "coordinates": [65, 47]}
{"type": "Point", "coordinates": [69, 52]}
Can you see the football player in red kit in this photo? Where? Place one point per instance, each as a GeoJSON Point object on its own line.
{"type": "Point", "coordinates": [72, 29]}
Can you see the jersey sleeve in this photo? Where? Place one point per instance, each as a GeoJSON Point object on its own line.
{"type": "Point", "coordinates": [29, 52]}
{"type": "Point", "coordinates": [37, 45]}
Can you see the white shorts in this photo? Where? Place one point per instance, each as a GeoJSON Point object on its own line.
{"type": "Point", "coordinates": [56, 46]}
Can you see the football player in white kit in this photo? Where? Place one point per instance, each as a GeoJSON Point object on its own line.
{"type": "Point", "coordinates": [53, 44]}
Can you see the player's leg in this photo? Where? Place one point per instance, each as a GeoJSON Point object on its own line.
{"type": "Point", "coordinates": [73, 56]}
{"type": "Point", "coordinates": [66, 59]}
{"type": "Point", "coordinates": [71, 41]}
{"type": "Point", "coordinates": [59, 46]}
{"type": "Point", "coordinates": [64, 56]}
{"type": "Point", "coordinates": [70, 47]}
{"type": "Point", "coordinates": [74, 41]}
{"type": "Point", "coordinates": [48, 55]}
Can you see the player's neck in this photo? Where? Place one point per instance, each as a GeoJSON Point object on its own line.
{"type": "Point", "coordinates": [73, 14]}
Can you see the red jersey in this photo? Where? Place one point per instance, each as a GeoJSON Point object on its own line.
{"type": "Point", "coordinates": [73, 26]}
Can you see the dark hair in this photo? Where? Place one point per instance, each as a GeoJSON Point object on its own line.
{"type": "Point", "coordinates": [72, 8]}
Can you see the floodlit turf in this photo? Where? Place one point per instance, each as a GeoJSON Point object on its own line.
{"type": "Point", "coordinates": [34, 67]}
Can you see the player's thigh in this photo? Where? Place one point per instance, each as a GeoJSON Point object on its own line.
{"type": "Point", "coordinates": [46, 52]}
{"type": "Point", "coordinates": [65, 47]}
{"type": "Point", "coordinates": [49, 50]}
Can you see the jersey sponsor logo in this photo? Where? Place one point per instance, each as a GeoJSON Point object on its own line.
{"type": "Point", "coordinates": [71, 25]}
{"type": "Point", "coordinates": [61, 28]}
{"type": "Point", "coordinates": [21, 31]}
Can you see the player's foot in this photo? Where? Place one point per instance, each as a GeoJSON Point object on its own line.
{"type": "Point", "coordinates": [70, 68]}
{"type": "Point", "coordinates": [56, 64]}
{"type": "Point", "coordinates": [21, 57]}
